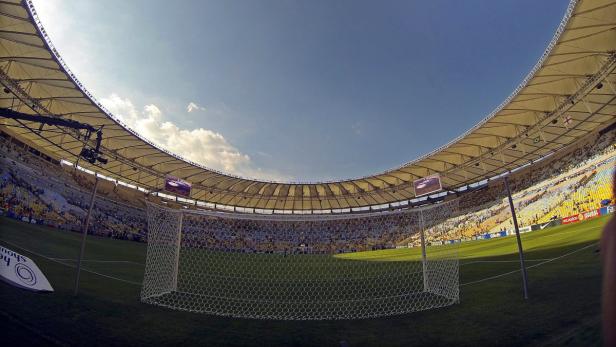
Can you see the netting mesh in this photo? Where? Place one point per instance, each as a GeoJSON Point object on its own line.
{"type": "Point", "coordinates": [298, 267]}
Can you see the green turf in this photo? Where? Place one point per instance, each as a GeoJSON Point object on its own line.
{"type": "Point", "coordinates": [563, 308]}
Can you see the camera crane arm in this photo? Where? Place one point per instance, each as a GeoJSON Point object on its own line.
{"type": "Point", "coordinates": [90, 154]}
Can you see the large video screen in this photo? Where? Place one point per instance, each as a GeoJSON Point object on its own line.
{"type": "Point", "coordinates": [177, 186]}
{"type": "Point", "coordinates": [427, 185]}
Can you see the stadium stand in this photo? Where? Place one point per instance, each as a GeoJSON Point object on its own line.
{"type": "Point", "coordinates": [36, 189]}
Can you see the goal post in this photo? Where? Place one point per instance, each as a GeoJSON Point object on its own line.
{"type": "Point", "coordinates": [163, 252]}
{"type": "Point", "coordinates": [177, 249]}
{"type": "Point", "coordinates": [424, 260]}
{"type": "Point", "coordinates": [439, 221]}
{"type": "Point", "coordinates": [298, 267]}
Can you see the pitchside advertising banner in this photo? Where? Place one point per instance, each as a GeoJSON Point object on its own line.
{"type": "Point", "coordinates": [567, 220]}
{"type": "Point", "coordinates": [589, 214]}
{"type": "Point", "coordinates": [571, 219]}
{"type": "Point", "coordinates": [427, 185]}
{"type": "Point", "coordinates": [177, 186]}
{"type": "Point", "coordinates": [22, 272]}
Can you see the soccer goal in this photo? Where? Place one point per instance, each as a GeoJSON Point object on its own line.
{"type": "Point", "coordinates": [300, 267]}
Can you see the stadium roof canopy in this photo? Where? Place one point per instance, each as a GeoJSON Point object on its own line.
{"type": "Point", "coordinates": [569, 93]}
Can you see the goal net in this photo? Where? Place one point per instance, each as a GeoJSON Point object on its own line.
{"type": "Point", "coordinates": [300, 267]}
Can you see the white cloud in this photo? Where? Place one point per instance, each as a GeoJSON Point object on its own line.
{"type": "Point", "coordinates": [200, 145]}
{"type": "Point", "coordinates": [82, 53]}
{"type": "Point", "coordinates": [192, 106]}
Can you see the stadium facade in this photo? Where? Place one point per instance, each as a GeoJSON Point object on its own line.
{"type": "Point", "coordinates": [569, 95]}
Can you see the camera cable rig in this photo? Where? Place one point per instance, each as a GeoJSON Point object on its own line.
{"type": "Point", "coordinates": [89, 153]}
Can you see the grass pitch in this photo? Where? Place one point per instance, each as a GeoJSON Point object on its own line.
{"type": "Point", "coordinates": [563, 309]}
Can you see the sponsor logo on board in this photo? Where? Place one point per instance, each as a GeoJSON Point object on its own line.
{"type": "Point", "coordinates": [525, 229]}
{"type": "Point", "coordinates": [591, 214]}
{"type": "Point", "coordinates": [571, 219]}
{"type": "Point", "coordinates": [22, 272]}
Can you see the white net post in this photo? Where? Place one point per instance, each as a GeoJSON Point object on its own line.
{"type": "Point", "coordinates": [424, 260]}
{"type": "Point", "coordinates": [178, 248]}
{"type": "Point", "coordinates": [163, 254]}
{"type": "Point", "coordinates": [442, 273]}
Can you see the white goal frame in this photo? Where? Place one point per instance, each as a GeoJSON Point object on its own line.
{"type": "Point", "coordinates": [187, 268]}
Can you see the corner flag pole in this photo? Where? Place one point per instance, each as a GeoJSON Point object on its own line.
{"type": "Point", "coordinates": [85, 233]}
{"type": "Point", "coordinates": [517, 235]}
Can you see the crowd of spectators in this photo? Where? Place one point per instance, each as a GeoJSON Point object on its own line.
{"type": "Point", "coordinates": [565, 195]}
{"type": "Point", "coordinates": [37, 189]}
{"type": "Point", "coordinates": [573, 181]}
{"type": "Point", "coordinates": [568, 160]}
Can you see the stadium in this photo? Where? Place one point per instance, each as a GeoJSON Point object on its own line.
{"type": "Point", "coordinates": [490, 239]}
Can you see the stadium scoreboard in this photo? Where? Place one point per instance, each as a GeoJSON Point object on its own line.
{"type": "Point", "coordinates": [427, 185]}
{"type": "Point", "coordinates": [177, 186]}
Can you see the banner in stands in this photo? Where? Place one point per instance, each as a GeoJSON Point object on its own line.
{"type": "Point", "coordinates": [427, 185]}
{"type": "Point", "coordinates": [177, 186]}
{"type": "Point", "coordinates": [22, 272]}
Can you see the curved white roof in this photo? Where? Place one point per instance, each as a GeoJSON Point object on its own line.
{"type": "Point", "coordinates": [528, 125]}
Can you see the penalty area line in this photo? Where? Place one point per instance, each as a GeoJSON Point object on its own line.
{"type": "Point", "coordinates": [502, 261]}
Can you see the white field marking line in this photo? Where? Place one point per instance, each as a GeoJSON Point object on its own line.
{"type": "Point", "coordinates": [502, 261]}
{"type": "Point", "coordinates": [72, 266]}
{"type": "Point", "coordinates": [532, 266]}
{"type": "Point", "coordinates": [99, 261]}
{"type": "Point", "coordinates": [462, 284]}
{"type": "Point", "coordinates": [525, 249]}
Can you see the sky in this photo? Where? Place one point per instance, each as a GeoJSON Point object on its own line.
{"type": "Point", "coordinates": [300, 91]}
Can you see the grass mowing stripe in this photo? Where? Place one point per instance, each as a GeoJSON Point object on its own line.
{"type": "Point", "coordinates": [501, 261]}
{"type": "Point", "coordinates": [543, 261]}
{"type": "Point", "coordinates": [530, 267]}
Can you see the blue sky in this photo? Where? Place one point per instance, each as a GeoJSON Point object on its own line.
{"type": "Point", "coordinates": [301, 90]}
